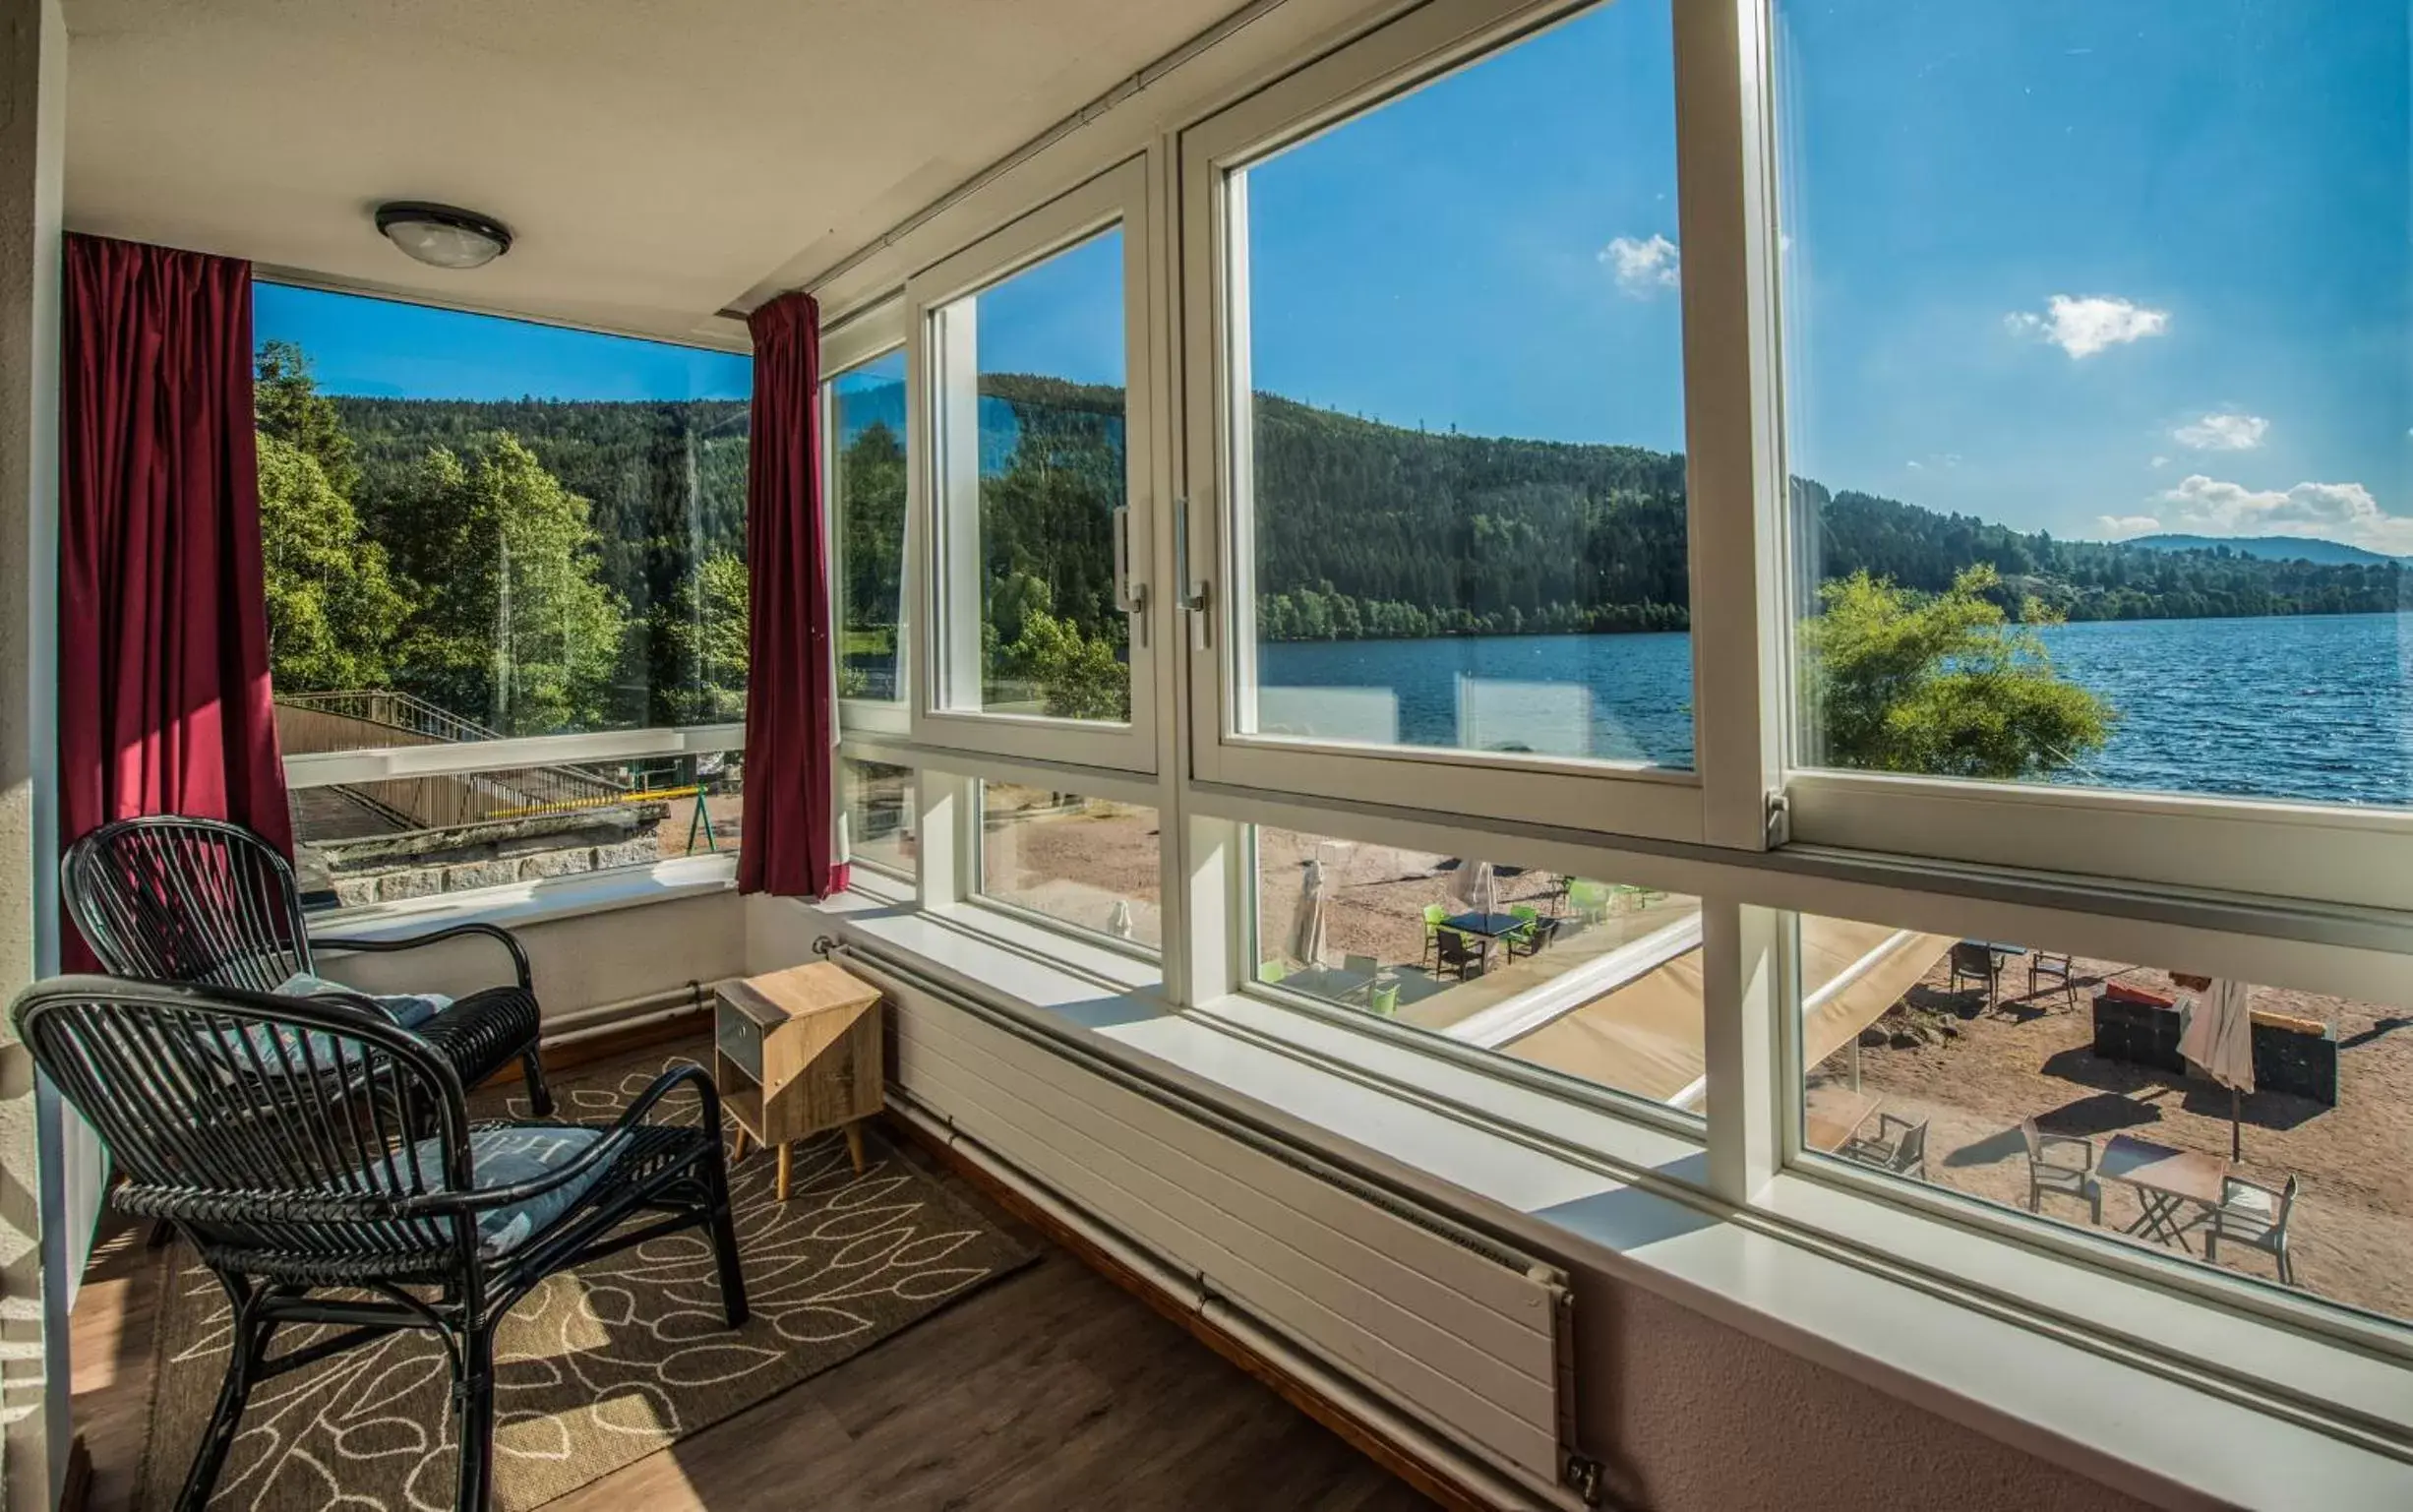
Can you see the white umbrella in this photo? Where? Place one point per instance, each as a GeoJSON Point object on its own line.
{"type": "Point", "coordinates": [1308, 930]}
{"type": "Point", "coordinates": [2219, 1043]}
{"type": "Point", "coordinates": [1474, 888]}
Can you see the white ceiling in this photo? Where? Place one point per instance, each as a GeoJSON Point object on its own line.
{"type": "Point", "coordinates": [656, 159]}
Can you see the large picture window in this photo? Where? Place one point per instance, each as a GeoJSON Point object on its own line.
{"type": "Point", "coordinates": [480, 531]}
{"type": "Point", "coordinates": [867, 441]}
{"type": "Point", "coordinates": [2100, 454]}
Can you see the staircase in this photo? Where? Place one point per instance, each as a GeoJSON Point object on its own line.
{"type": "Point", "coordinates": [365, 719]}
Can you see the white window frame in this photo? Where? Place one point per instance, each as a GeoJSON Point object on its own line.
{"type": "Point", "coordinates": [2248, 890]}
{"type": "Point", "coordinates": [946, 712]}
{"type": "Point", "coordinates": [1723, 797]}
{"type": "Point", "coordinates": [866, 338]}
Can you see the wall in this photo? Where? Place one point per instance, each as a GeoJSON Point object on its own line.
{"type": "Point", "coordinates": [581, 962]}
{"type": "Point", "coordinates": [32, 1316]}
{"type": "Point", "coordinates": [1693, 1416]}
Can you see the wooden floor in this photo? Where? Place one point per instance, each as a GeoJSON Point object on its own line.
{"type": "Point", "coordinates": [1049, 1389]}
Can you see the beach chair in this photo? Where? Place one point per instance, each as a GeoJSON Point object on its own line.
{"type": "Point", "coordinates": [1453, 954]}
{"type": "Point", "coordinates": [2063, 1164]}
{"type": "Point", "coordinates": [2255, 1216]}
{"type": "Point", "coordinates": [2043, 965]}
{"type": "Point", "coordinates": [1899, 1146]}
{"type": "Point", "coordinates": [1973, 960]}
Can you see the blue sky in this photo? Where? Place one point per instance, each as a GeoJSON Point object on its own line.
{"type": "Point", "coordinates": [376, 346]}
{"type": "Point", "coordinates": [2097, 267]}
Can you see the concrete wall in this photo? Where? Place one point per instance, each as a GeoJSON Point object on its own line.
{"type": "Point", "coordinates": [33, 1333]}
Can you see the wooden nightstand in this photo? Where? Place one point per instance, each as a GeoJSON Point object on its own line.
{"type": "Point", "coordinates": [797, 1052]}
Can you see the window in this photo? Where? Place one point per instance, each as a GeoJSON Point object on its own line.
{"type": "Point", "coordinates": [867, 441]}
{"type": "Point", "coordinates": [477, 531]}
{"type": "Point", "coordinates": [878, 801]}
{"type": "Point", "coordinates": [1085, 862]}
{"type": "Point", "coordinates": [1040, 484]}
{"type": "Point", "coordinates": [1598, 979]}
{"type": "Point", "coordinates": [2068, 1085]}
{"type": "Point", "coordinates": [2099, 462]}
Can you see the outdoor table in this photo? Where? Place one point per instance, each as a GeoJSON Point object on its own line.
{"type": "Point", "coordinates": [1343, 985]}
{"type": "Point", "coordinates": [1486, 928]}
{"type": "Point", "coordinates": [2166, 1182]}
{"type": "Point", "coordinates": [1830, 1115]}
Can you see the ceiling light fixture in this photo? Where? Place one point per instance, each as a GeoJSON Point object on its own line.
{"type": "Point", "coordinates": [443, 236]}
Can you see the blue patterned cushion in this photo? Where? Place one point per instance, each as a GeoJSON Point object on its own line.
{"type": "Point", "coordinates": [510, 1154]}
{"type": "Point", "coordinates": [407, 1009]}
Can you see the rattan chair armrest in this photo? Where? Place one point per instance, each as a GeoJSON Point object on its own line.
{"type": "Point", "coordinates": [511, 942]}
{"type": "Point", "coordinates": [599, 1154]}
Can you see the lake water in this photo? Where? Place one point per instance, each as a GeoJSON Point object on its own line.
{"type": "Point", "coordinates": [2312, 706]}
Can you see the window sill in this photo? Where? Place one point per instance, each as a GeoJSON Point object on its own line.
{"type": "Point", "coordinates": [539, 903]}
{"type": "Point", "coordinates": [1621, 1197]}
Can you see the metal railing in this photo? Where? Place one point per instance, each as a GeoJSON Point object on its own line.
{"type": "Point", "coordinates": [383, 713]}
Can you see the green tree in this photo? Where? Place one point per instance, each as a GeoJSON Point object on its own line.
{"type": "Point", "coordinates": [287, 405]}
{"type": "Point", "coordinates": [1943, 683]}
{"type": "Point", "coordinates": [513, 624]}
{"type": "Point", "coordinates": [705, 629]}
{"type": "Point", "coordinates": [1078, 675]}
{"type": "Point", "coordinates": [333, 606]}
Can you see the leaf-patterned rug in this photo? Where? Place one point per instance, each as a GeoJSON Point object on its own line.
{"type": "Point", "coordinates": [598, 1367]}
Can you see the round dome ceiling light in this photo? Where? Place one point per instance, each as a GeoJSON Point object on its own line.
{"type": "Point", "coordinates": [443, 236]}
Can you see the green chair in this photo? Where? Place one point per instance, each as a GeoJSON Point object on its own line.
{"type": "Point", "coordinates": [1530, 935]}
{"type": "Point", "coordinates": [1385, 1000]}
{"type": "Point", "coordinates": [1590, 901]}
{"type": "Point", "coordinates": [1270, 972]}
{"type": "Point", "coordinates": [1434, 913]}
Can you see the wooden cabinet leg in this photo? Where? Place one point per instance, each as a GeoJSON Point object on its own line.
{"type": "Point", "coordinates": [854, 1145]}
{"type": "Point", "coordinates": [737, 1146]}
{"type": "Point", "coordinates": [781, 1187]}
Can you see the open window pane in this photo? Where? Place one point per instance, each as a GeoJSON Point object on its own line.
{"type": "Point", "coordinates": [2227, 1123]}
{"type": "Point", "coordinates": [1596, 979]}
{"type": "Point", "coordinates": [475, 528]}
{"type": "Point", "coordinates": [1086, 862]}
{"type": "Point", "coordinates": [2098, 390]}
{"type": "Point", "coordinates": [1032, 462]}
{"type": "Point", "coordinates": [881, 815]}
{"type": "Point", "coordinates": [1457, 375]}
{"type": "Point", "coordinates": [866, 423]}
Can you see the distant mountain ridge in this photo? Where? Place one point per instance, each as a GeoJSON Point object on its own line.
{"type": "Point", "coordinates": [2268, 548]}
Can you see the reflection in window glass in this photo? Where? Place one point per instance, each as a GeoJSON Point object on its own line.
{"type": "Point", "coordinates": [2097, 391]}
{"type": "Point", "coordinates": [1466, 429]}
{"type": "Point", "coordinates": [1085, 862]}
{"type": "Point", "coordinates": [1599, 980]}
{"type": "Point", "coordinates": [2258, 1128]}
{"type": "Point", "coordinates": [868, 437]}
{"type": "Point", "coordinates": [1034, 404]}
{"type": "Point", "coordinates": [879, 813]}
{"type": "Point", "coordinates": [411, 837]}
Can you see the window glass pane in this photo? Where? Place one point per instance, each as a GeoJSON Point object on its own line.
{"type": "Point", "coordinates": [1596, 978]}
{"type": "Point", "coordinates": [1034, 409]}
{"type": "Point", "coordinates": [2097, 391]}
{"type": "Point", "coordinates": [1463, 483]}
{"type": "Point", "coordinates": [867, 433]}
{"type": "Point", "coordinates": [379, 842]}
{"type": "Point", "coordinates": [476, 527]}
{"type": "Point", "coordinates": [2053, 1083]}
{"type": "Point", "coordinates": [1083, 861]}
{"type": "Point", "coordinates": [879, 814]}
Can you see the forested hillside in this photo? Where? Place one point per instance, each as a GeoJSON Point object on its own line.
{"type": "Point", "coordinates": [548, 565]}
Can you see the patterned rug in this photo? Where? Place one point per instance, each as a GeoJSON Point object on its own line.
{"type": "Point", "coordinates": [596, 1367]}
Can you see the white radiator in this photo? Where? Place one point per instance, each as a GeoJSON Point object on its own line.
{"type": "Point", "coordinates": [1453, 1331]}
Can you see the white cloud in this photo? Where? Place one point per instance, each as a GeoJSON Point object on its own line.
{"type": "Point", "coordinates": [2086, 325]}
{"type": "Point", "coordinates": [1644, 269]}
{"type": "Point", "coordinates": [2230, 432]}
{"type": "Point", "coordinates": [2121, 526]}
{"type": "Point", "coordinates": [2335, 511]}
{"type": "Point", "coordinates": [2161, 462]}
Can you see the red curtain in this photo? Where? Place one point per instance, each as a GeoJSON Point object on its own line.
{"type": "Point", "coordinates": [163, 637]}
{"type": "Point", "coordinates": [790, 838]}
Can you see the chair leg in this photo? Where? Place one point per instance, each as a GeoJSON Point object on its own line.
{"type": "Point", "coordinates": [473, 1402]}
{"type": "Point", "coordinates": [251, 1347]}
{"type": "Point", "coordinates": [725, 1243]}
{"type": "Point", "coordinates": [540, 1096]}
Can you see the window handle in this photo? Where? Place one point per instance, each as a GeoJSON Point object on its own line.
{"type": "Point", "coordinates": [1130, 597]}
{"type": "Point", "coordinates": [1193, 593]}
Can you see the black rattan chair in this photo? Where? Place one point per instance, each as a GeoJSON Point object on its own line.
{"type": "Point", "coordinates": [283, 1137]}
{"type": "Point", "coordinates": [211, 904]}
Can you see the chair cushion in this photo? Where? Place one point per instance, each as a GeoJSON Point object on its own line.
{"type": "Point", "coordinates": [505, 1155]}
{"type": "Point", "coordinates": [409, 1009]}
